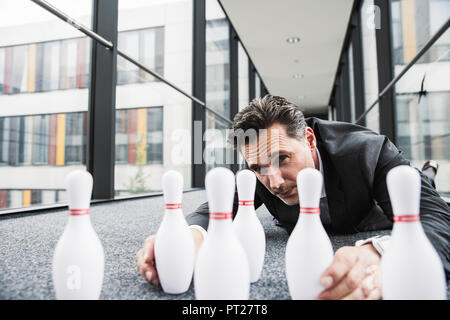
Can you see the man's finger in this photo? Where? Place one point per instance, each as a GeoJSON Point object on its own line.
{"type": "Point", "coordinates": [357, 294]}
{"type": "Point", "coordinates": [149, 255]}
{"type": "Point", "coordinates": [343, 261]}
{"type": "Point", "coordinates": [375, 294]}
{"type": "Point", "coordinates": [368, 285]}
{"type": "Point", "coordinates": [150, 274]}
{"type": "Point", "coordinates": [371, 284]}
{"type": "Point", "coordinates": [145, 261]}
{"type": "Point", "coordinates": [347, 285]}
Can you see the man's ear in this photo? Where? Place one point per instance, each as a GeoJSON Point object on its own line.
{"type": "Point", "coordinates": [310, 138]}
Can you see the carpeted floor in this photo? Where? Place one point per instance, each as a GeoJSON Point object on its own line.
{"type": "Point", "coordinates": [27, 243]}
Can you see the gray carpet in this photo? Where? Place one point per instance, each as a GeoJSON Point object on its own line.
{"type": "Point", "coordinates": [27, 243]}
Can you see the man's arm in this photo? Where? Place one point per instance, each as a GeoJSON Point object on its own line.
{"type": "Point", "coordinates": [354, 273]}
{"type": "Point", "coordinates": [434, 211]}
{"type": "Point", "coordinates": [200, 217]}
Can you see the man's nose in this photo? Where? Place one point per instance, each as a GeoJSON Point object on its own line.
{"type": "Point", "coordinates": [274, 177]}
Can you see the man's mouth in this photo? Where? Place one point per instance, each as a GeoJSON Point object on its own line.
{"type": "Point", "coordinates": [289, 192]}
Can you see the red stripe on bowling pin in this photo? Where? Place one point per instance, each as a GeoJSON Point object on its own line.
{"type": "Point", "coordinates": [246, 202]}
{"type": "Point", "coordinates": [407, 218]}
{"type": "Point", "coordinates": [171, 206]}
{"type": "Point", "coordinates": [309, 210]}
{"type": "Point", "coordinates": [220, 215]}
{"type": "Point", "coordinates": [78, 212]}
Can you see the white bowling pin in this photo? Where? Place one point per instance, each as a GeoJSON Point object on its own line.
{"type": "Point", "coordinates": [247, 226]}
{"type": "Point", "coordinates": [410, 268]}
{"type": "Point", "coordinates": [78, 260]}
{"type": "Point", "coordinates": [308, 251]}
{"type": "Point", "coordinates": [174, 244]}
{"type": "Point", "coordinates": [221, 271]}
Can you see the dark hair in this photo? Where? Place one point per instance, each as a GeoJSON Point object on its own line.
{"type": "Point", "coordinates": [262, 113]}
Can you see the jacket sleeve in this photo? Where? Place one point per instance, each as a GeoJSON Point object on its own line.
{"type": "Point", "coordinates": [201, 215]}
{"type": "Point", "coordinates": [434, 211]}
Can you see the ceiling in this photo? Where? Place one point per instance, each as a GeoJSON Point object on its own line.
{"type": "Point", "coordinates": [263, 27]}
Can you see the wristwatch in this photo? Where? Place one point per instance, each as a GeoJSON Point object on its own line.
{"type": "Point", "coordinates": [380, 243]}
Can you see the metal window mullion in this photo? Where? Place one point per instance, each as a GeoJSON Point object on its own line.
{"type": "Point", "coordinates": [199, 91]}
{"type": "Point", "coordinates": [262, 87]}
{"type": "Point", "coordinates": [102, 96]}
{"type": "Point", "coordinates": [358, 67]}
{"type": "Point", "coordinates": [345, 90]}
{"type": "Point", "coordinates": [385, 70]}
{"type": "Point", "coordinates": [337, 99]}
{"type": "Point", "coordinates": [251, 81]}
{"type": "Point", "coordinates": [234, 85]}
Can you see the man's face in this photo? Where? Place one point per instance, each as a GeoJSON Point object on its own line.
{"type": "Point", "coordinates": [277, 158]}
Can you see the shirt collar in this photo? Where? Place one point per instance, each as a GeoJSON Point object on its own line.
{"type": "Point", "coordinates": [323, 195]}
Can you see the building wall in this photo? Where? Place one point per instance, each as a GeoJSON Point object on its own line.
{"type": "Point", "coordinates": [29, 183]}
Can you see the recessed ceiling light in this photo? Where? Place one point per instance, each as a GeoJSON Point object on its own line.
{"type": "Point", "coordinates": [297, 76]}
{"type": "Point", "coordinates": [293, 40]}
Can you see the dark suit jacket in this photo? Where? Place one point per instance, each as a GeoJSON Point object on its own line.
{"type": "Point", "coordinates": [355, 163]}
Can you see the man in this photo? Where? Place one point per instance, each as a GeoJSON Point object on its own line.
{"type": "Point", "coordinates": [354, 162]}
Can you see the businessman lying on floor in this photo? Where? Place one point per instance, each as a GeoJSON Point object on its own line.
{"type": "Point", "coordinates": [354, 162]}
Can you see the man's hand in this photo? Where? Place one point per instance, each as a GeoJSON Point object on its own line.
{"type": "Point", "coordinates": [353, 275]}
{"type": "Point", "coordinates": [145, 257]}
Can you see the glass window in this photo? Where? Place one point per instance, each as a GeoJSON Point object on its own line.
{"type": "Point", "coordinates": [397, 33]}
{"type": "Point", "coordinates": [41, 129]}
{"type": "Point", "coordinates": [146, 46]}
{"type": "Point", "coordinates": [413, 24]}
{"type": "Point", "coordinates": [215, 154]}
{"type": "Point", "coordinates": [159, 50]}
{"type": "Point", "coordinates": [68, 64]}
{"type": "Point", "coordinates": [83, 54]}
{"type": "Point", "coordinates": [18, 72]}
{"type": "Point", "coordinates": [147, 52]}
{"type": "Point", "coordinates": [2, 70]}
{"type": "Point", "coordinates": [128, 43]}
{"type": "Point", "coordinates": [41, 53]}
{"type": "Point", "coordinates": [438, 14]}
{"type": "Point", "coordinates": [243, 76]}
{"type": "Point", "coordinates": [351, 75]}
{"type": "Point", "coordinates": [422, 94]}
{"type": "Point", "coordinates": [257, 86]}
{"type": "Point", "coordinates": [217, 83]}
{"type": "Point", "coordinates": [47, 65]}
{"type": "Point", "coordinates": [74, 138]}
{"type": "Point", "coordinates": [217, 59]}
{"type": "Point", "coordinates": [159, 35]}
{"type": "Point", "coordinates": [155, 135]}
{"type": "Point", "coordinates": [25, 136]}
{"type": "Point", "coordinates": [370, 65]}
{"type": "Point", "coordinates": [4, 140]}
{"type": "Point", "coordinates": [122, 136]}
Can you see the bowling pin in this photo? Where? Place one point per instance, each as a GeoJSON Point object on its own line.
{"type": "Point", "coordinates": [308, 251]}
{"type": "Point", "coordinates": [78, 260]}
{"type": "Point", "coordinates": [247, 226]}
{"type": "Point", "coordinates": [221, 271]}
{"type": "Point", "coordinates": [174, 244]}
{"type": "Point", "coordinates": [410, 268]}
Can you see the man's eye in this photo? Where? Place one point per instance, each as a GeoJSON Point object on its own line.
{"type": "Point", "coordinates": [282, 158]}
